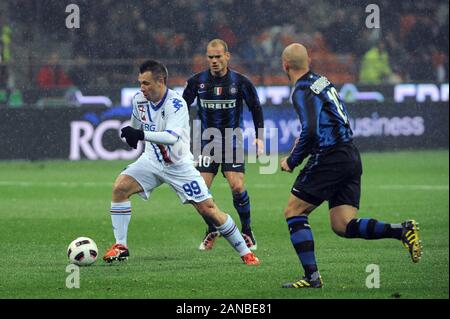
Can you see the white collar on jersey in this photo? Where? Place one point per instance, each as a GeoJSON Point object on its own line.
{"type": "Point", "coordinates": [160, 103]}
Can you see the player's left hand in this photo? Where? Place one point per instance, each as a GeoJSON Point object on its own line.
{"type": "Point", "coordinates": [284, 165]}
{"type": "Point", "coordinates": [132, 136]}
{"type": "Point", "coordinates": [259, 146]}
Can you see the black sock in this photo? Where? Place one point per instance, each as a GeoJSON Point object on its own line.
{"type": "Point", "coordinates": [369, 228]}
{"type": "Point", "coordinates": [303, 242]}
{"type": "Point", "coordinates": [211, 227]}
{"type": "Point", "coordinates": [241, 202]}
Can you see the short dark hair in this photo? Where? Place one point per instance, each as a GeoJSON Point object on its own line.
{"type": "Point", "coordinates": [157, 68]}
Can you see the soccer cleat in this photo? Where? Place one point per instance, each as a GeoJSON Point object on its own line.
{"type": "Point", "coordinates": [250, 240]}
{"type": "Point", "coordinates": [411, 240]}
{"type": "Point", "coordinates": [250, 259]}
{"type": "Point", "coordinates": [208, 242]}
{"type": "Point", "coordinates": [116, 252]}
{"type": "Point", "coordinates": [305, 283]}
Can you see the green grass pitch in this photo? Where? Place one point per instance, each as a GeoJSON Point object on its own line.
{"type": "Point", "coordinates": [45, 205]}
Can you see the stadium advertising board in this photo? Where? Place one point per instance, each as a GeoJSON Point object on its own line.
{"type": "Point", "coordinates": [93, 133]}
{"type": "Point", "coordinates": [349, 92]}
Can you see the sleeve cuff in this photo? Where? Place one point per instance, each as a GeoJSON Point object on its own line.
{"type": "Point", "coordinates": [291, 163]}
{"type": "Point", "coordinates": [173, 133]}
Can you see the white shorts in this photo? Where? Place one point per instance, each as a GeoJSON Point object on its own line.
{"type": "Point", "coordinates": [183, 178]}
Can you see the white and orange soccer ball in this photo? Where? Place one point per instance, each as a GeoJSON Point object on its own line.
{"type": "Point", "coordinates": [82, 251]}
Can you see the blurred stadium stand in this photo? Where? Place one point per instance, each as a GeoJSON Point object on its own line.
{"type": "Point", "coordinates": [40, 55]}
{"type": "Point", "coordinates": [393, 79]}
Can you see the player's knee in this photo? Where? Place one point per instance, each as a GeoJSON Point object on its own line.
{"type": "Point", "coordinates": [120, 190]}
{"type": "Point", "coordinates": [340, 217]}
{"type": "Point", "coordinates": [291, 212]}
{"type": "Point", "coordinates": [237, 188]}
{"type": "Point", "coordinates": [211, 212]}
{"type": "Point", "coordinates": [207, 209]}
{"type": "Point", "coordinates": [339, 227]}
{"type": "Point", "coordinates": [339, 231]}
{"type": "Point", "coordinates": [287, 213]}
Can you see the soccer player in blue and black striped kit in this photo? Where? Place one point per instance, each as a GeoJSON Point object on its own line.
{"type": "Point", "coordinates": [220, 94]}
{"type": "Point", "coordinates": [332, 173]}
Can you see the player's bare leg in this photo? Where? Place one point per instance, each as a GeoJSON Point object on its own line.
{"type": "Point", "coordinates": [340, 216]}
{"type": "Point", "coordinates": [211, 233]}
{"type": "Point", "coordinates": [227, 228]}
{"type": "Point", "coordinates": [123, 188]}
{"type": "Point", "coordinates": [345, 224]}
{"type": "Point", "coordinates": [297, 207]}
{"type": "Point", "coordinates": [208, 177]}
{"type": "Point", "coordinates": [241, 202]}
{"type": "Point", "coordinates": [296, 214]}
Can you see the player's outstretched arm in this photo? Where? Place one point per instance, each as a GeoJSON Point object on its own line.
{"type": "Point", "coordinates": [132, 136]}
{"type": "Point", "coordinates": [166, 137]}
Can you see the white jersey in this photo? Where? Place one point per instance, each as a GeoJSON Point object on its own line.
{"type": "Point", "coordinates": [171, 115]}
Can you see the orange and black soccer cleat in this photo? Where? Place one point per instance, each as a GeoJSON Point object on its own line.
{"type": "Point", "coordinates": [208, 242]}
{"type": "Point", "coordinates": [250, 259]}
{"type": "Point", "coordinates": [250, 240]}
{"type": "Point", "coordinates": [116, 252]}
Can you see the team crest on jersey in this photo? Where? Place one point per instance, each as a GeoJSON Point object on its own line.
{"type": "Point", "coordinates": [202, 85]}
{"type": "Point", "coordinates": [141, 110]}
{"type": "Point", "coordinates": [218, 90]}
{"type": "Point", "coordinates": [177, 104]}
{"type": "Point", "coordinates": [233, 90]}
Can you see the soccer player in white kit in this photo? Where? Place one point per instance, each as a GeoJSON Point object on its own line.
{"type": "Point", "coordinates": [160, 118]}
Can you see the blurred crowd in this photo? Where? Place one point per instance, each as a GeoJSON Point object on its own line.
{"type": "Point", "coordinates": [411, 44]}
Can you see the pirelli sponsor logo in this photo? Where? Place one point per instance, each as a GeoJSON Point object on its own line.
{"type": "Point", "coordinates": [218, 104]}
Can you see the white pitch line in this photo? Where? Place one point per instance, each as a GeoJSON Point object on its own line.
{"type": "Point", "coordinates": [384, 187]}
{"type": "Point", "coordinates": [416, 187]}
{"type": "Point", "coordinates": [222, 185]}
{"type": "Point", "coordinates": [54, 184]}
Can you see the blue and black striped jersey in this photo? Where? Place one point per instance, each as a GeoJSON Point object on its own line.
{"type": "Point", "coordinates": [220, 100]}
{"type": "Point", "coordinates": [323, 117]}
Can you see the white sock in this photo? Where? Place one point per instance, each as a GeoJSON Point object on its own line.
{"type": "Point", "coordinates": [120, 217]}
{"type": "Point", "coordinates": [234, 237]}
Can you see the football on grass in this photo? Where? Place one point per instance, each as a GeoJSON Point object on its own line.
{"type": "Point", "coordinates": [82, 251]}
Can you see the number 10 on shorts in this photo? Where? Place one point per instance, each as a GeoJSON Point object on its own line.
{"type": "Point", "coordinates": [192, 188]}
{"type": "Point", "coordinates": [204, 161]}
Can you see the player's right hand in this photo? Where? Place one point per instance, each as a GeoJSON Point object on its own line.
{"type": "Point", "coordinates": [284, 165]}
{"type": "Point", "coordinates": [259, 147]}
{"type": "Point", "coordinates": [132, 136]}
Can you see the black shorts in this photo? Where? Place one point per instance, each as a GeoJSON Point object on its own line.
{"type": "Point", "coordinates": [232, 163]}
{"type": "Point", "coordinates": [225, 167]}
{"type": "Point", "coordinates": [332, 175]}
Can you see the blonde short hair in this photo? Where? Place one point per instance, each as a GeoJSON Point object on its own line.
{"type": "Point", "coordinates": [216, 42]}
